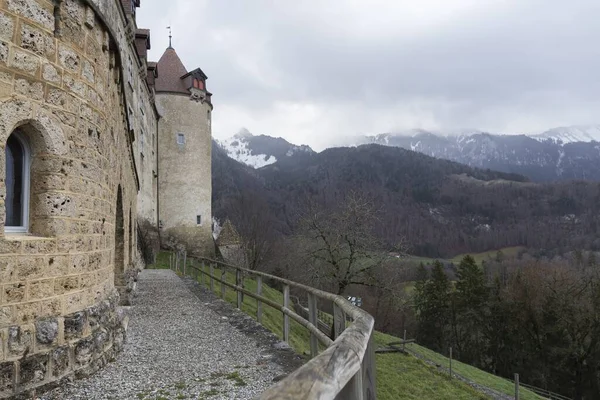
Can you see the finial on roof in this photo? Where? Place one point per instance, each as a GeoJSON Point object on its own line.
{"type": "Point", "coordinates": [170, 36]}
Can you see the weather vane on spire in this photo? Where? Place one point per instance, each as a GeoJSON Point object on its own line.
{"type": "Point", "coordinates": [170, 35]}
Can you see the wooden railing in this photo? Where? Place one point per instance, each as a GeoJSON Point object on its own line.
{"type": "Point", "coordinates": [344, 370]}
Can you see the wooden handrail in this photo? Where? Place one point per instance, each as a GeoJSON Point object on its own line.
{"type": "Point", "coordinates": [345, 370]}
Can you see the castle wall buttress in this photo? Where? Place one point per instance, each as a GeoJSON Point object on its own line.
{"type": "Point", "coordinates": [72, 91]}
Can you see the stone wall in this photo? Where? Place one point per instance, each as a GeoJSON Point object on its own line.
{"type": "Point", "coordinates": [66, 85]}
{"type": "Point", "coordinates": [185, 187]}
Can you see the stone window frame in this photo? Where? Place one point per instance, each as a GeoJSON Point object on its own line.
{"type": "Point", "coordinates": [44, 134]}
{"type": "Point", "coordinates": [26, 189]}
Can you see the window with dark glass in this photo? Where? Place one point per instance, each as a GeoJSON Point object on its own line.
{"type": "Point", "coordinates": [16, 181]}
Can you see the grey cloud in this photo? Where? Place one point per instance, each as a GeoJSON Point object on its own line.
{"type": "Point", "coordinates": [516, 65]}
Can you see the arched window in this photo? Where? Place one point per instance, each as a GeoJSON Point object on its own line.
{"type": "Point", "coordinates": [16, 203]}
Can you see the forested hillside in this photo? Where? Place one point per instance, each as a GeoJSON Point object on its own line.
{"type": "Point", "coordinates": [442, 207]}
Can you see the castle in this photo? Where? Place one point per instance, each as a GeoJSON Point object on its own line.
{"type": "Point", "coordinates": [98, 141]}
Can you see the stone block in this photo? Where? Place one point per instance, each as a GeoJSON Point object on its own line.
{"type": "Point", "coordinates": [13, 293]}
{"type": "Point", "coordinates": [78, 264]}
{"type": "Point", "coordinates": [99, 315]}
{"type": "Point", "coordinates": [36, 11]}
{"type": "Point", "coordinates": [72, 32]}
{"type": "Point", "coordinates": [51, 74]}
{"type": "Point", "coordinates": [59, 98]}
{"type": "Point", "coordinates": [25, 62]}
{"type": "Point", "coordinates": [43, 246]}
{"type": "Point", "coordinates": [29, 267]}
{"type": "Point", "coordinates": [9, 246]}
{"type": "Point", "coordinates": [84, 351]}
{"type": "Point", "coordinates": [68, 58]}
{"type": "Point", "coordinates": [19, 341]}
{"type": "Point", "coordinates": [74, 9]}
{"type": "Point", "coordinates": [7, 376]}
{"type": "Point", "coordinates": [57, 265]}
{"type": "Point", "coordinates": [33, 369]}
{"type": "Point", "coordinates": [37, 41]}
{"type": "Point", "coordinates": [27, 312]}
{"type": "Point", "coordinates": [66, 284]}
{"type": "Point", "coordinates": [33, 90]}
{"type": "Point", "coordinates": [51, 307]}
{"type": "Point", "coordinates": [119, 339]}
{"type": "Point", "coordinates": [101, 340]}
{"type": "Point", "coordinates": [46, 331]}
{"type": "Point", "coordinates": [7, 26]}
{"type": "Point", "coordinates": [90, 17]}
{"type": "Point", "coordinates": [66, 118]}
{"type": "Point", "coordinates": [3, 52]}
{"type": "Point", "coordinates": [74, 302]}
{"type": "Point", "coordinates": [7, 315]}
{"type": "Point", "coordinates": [6, 76]}
{"type": "Point", "coordinates": [41, 289]}
{"type": "Point", "coordinates": [87, 281]}
{"type": "Point", "coordinates": [6, 90]}
{"type": "Point", "coordinates": [74, 85]}
{"type": "Point", "coordinates": [75, 325]}
{"type": "Point", "coordinates": [88, 73]}
{"type": "Point", "coordinates": [60, 361]}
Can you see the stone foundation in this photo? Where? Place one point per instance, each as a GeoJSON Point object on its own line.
{"type": "Point", "coordinates": [38, 356]}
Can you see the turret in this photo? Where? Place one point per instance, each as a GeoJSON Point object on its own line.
{"type": "Point", "coordinates": [184, 154]}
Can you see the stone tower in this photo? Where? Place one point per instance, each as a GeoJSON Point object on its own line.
{"type": "Point", "coordinates": [184, 155]}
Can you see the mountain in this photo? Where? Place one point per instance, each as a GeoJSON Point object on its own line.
{"type": "Point", "coordinates": [556, 155]}
{"type": "Point", "coordinates": [442, 207]}
{"type": "Point", "coordinates": [570, 134]}
{"type": "Point", "coordinates": [261, 150]}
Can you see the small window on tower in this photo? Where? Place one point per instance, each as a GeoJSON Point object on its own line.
{"type": "Point", "coordinates": [198, 220]}
{"type": "Point", "coordinates": [180, 139]}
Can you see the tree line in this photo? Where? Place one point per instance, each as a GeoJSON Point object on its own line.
{"type": "Point", "coordinates": [536, 318]}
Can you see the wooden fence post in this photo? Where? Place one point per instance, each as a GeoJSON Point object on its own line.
{"type": "Point", "coordinates": [312, 318]}
{"type": "Point", "coordinates": [258, 302]}
{"type": "Point", "coordinates": [184, 261]}
{"type": "Point", "coordinates": [238, 282]}
{"type": "Point", "coordinates": [368, 368]}
{"type": "Point", "coordinates": [404, 344]}
{"type": "Point", "coordinates": [202, 272]}
{"type": "Point", "coordinates": [339, 321]}
{"type": "Point", "coordinates": [212, 282]}
{"type": "Point", "coordinates": [450, 362]}
{"type": "Point", "coordinates": [286, 318]}
{"type": "Point", "coordinates": [516, 386]}
{"type": "Point", "coordinates": [223, 287]}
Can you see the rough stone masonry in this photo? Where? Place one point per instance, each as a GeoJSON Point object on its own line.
{"type": "Point", "coordinates": [78, 95]}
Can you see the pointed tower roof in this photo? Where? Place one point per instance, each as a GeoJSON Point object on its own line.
{"type": "Point", "coordinates": [170, 70]}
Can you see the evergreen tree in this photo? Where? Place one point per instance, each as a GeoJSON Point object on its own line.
{"type": "Point", "coordinates": [432, 300]}
{"type": "Point", "coordinates": [468, 307]}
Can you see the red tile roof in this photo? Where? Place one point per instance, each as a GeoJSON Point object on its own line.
{"type": "Point", "coordinates": [170, 70]}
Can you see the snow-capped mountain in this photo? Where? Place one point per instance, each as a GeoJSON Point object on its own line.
{"type": "Point", "coordinates": [557, 154]}
{"type": "Point", "coordinates": [259, 151]}
{"type": "Point", "coordinates": [570, 134]}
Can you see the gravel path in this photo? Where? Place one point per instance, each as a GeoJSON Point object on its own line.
{"type": "Point", "coordinates": [180, 347]}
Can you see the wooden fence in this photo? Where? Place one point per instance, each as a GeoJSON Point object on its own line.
{"type": "Point", "coordinates": [344, 370]}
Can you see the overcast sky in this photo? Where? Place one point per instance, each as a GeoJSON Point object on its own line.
{"type": "Point", "coordinates": [316, 71]}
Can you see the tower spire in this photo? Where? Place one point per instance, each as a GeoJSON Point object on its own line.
{"type": "Point", "coordinates": [170, 36]}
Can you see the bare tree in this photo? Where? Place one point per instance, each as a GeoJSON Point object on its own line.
{"type": "Point", "coordinates": [343, 249]}
{"type": "Point", "coordinates": [252, 219]}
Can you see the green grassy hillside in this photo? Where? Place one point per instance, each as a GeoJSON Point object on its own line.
{"type": "Point", "coordinates": [399, 376]}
